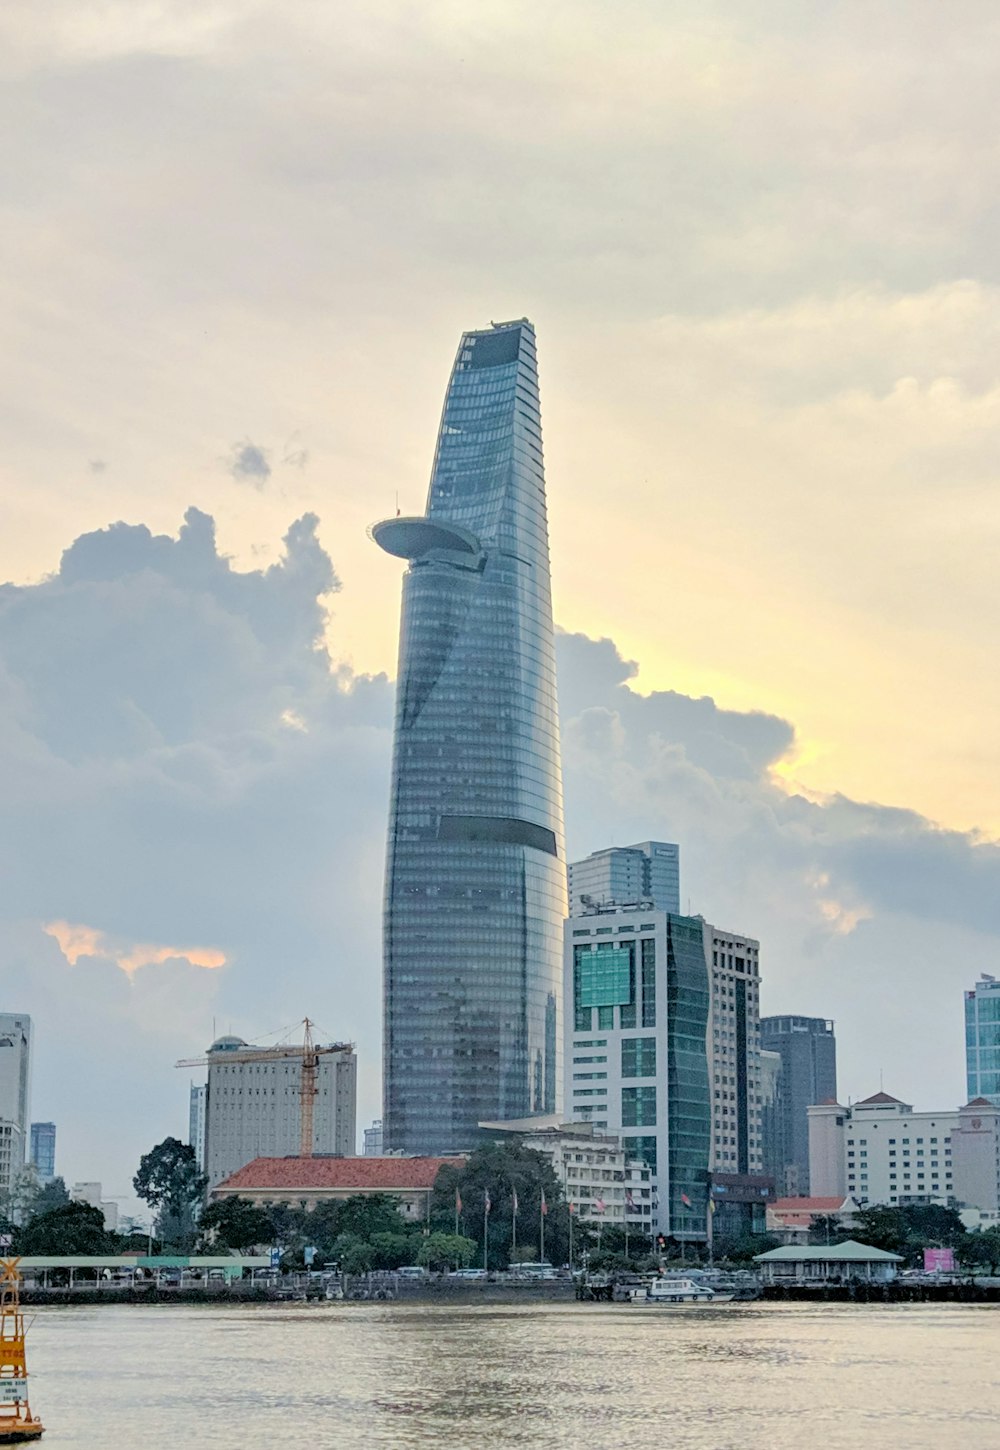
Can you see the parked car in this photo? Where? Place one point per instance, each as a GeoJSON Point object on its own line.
{"type": "Point", "coordinates": [413, 1271]}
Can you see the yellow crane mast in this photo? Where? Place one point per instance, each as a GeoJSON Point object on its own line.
{"type": "Point", "coordinates": [309, 1051]}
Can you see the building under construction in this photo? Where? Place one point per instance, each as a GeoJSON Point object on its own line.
{"type": "Point", "coordinates": [268, 1102]}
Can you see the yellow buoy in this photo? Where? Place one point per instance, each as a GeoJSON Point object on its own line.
{"type": "Point", "coordinates": [17, 1424]}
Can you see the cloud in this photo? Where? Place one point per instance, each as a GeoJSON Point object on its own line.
{"type": "Point", "coordinates": [250, 463]}
{"type": "Point", "coordinates": [77, 941]}
{"type": "Point", "coordinates": [186, 762]}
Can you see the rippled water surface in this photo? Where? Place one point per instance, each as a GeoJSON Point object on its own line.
{"type": "Point", "coordinates": [920, 1377]}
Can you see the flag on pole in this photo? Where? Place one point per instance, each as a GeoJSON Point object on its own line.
{"type": "Point", "coordinates": [545, 1207]}
{"type": "Point", "coordinates": [685, 1200]}
{"type": "Point", "coordinates": [629, 1200]}
{"type": "Point", "coordinates": [572, 1207]}
{"type": "Point", "coordinates": [711, 1205]}
{"type": "Point", "coordinates": [514, 1199]}
{"type": "Point", "coordinates": [458, 1201]}
{"type": "Point", "coordinates": [487, 1204]}
{"type": "Point", "coordinates": [599, 1205]}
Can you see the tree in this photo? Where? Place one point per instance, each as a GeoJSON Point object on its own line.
{"type": "Point", "coordinates": [500, 1169]}
{"type": "Point", "coordinates": [171, 1182]}
{"type": "Point", "coordinates": [53, 1194]}
{"type": "Point", "coordinates": [447, 1251]}
{"type": "Point", "coordinates": [826, 1228]}
{"type": "Point", "coordinates": [392, 1251]}
{"type": "Point", "coordinates": [75, 1228]}
{"type": "Point", "coordinates": [357, 1258]}
{"type": "Point", "coordinates": [745, 1249]}
{"type": "Point", "coordinates": [909, 1229]}
{"type": "Point", "coordinates": [234, 1223]}
{"type": "Point", "coordinates": [980, 1250]}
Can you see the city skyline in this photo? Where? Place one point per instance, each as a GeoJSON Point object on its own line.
{"type": "Point", "coordinates": [771, 419]}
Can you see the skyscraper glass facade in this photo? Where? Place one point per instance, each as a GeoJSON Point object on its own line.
{"type": "Point", "coordinates": [982, 1040]}
{"type": "Point", "coordinates": [689, 1102]}
{"type": "Point", "coordinates": [475, 873]}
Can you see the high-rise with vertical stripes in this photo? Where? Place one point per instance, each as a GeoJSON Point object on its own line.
{"type": "Point", "coordinates": [475, 874]}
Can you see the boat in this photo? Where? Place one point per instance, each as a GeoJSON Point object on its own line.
{"type": "Point", "coordinates": [17, 1424]}
{"type": "Point", "coordinates": [677, 1290]}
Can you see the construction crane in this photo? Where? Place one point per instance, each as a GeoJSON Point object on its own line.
{"type": "Point", "coordinates": [309, 1052]}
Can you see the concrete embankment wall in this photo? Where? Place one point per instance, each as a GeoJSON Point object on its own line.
{"type": "Point", "coordinates": [885, 1293]}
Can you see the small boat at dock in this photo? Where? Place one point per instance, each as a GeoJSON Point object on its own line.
{"type": "Point", "coordinates": [674, 1290]}
{"type": "Point", "coordinates": [17, 1424]}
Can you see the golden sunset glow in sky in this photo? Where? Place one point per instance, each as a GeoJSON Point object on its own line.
{"type": "Point", "coordinates": [757, 243]}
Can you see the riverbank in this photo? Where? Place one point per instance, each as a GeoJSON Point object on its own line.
{"type": "Point", "coordinates": [434, 1291]}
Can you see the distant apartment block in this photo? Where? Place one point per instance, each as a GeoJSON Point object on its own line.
{"type": "Point", "coordinates": [254, 1105]}
{"type": "Point", "coordinates": [808, 1051]}
{"type": "Point", "coordinates": [93, 1193]}
{"type": "Point", "coordinates": [982, 1039]}
{"type": "Point", "coordinates": [373, 1140]}
{"type": "Point", "coordinates": [43, 1150]}
{"type": "Point", "coordinates": [15, 1087]}
{"type": "Point", "coordinates": [627, 875]}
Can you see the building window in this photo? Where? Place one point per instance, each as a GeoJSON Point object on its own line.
{"type": "Point", "coordinates": [638, 1057]}
{"type": "Point", "coordinates": [639, 1107]}
{"type": "Point", "coordinates": [648, 982]}
{"type": "Point", "coordinates": [642, 1148]}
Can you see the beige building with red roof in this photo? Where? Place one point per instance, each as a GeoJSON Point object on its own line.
{"type": "Point", "coordinates": [306, 1182]}
{"type": "Point", "coordinates": [792, 1218]}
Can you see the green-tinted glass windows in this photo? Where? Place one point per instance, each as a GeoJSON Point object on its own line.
{"type": "Point", "coordinates": [643, 1148]}
{"type": "Point", "coordinates": [639, 1107]}
{"type": "Point", "coordinates": [638, 1057]}
{"type": "Point", "coordinates": [605, 975]}
{"type": "Point", "coordinates": [648, 982]}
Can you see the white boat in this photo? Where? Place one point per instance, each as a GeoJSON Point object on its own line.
{"type": "Point", "coordinates": [675, 1290]}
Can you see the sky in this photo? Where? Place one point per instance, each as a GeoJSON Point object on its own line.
{"type": "Point", "coordinates": [238, 244]}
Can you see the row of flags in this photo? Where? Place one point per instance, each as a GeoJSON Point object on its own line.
{"type": "Point", "coordinates": [599, 1204]}
{"type": "Point", "coordinates": [488, 1202]}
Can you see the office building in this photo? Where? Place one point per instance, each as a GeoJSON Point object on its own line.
{"type": "Point", "coordinates": [982, 1039]}
{"type": "Point", "coordinates": [662, 1050]}
{"type": "Point", "coordinates": [808, 1052]}
{"type": "Point", "coordinates": [373, 1140]}
{"type": "Point", "coordinates": [772, 1154]}
{"type": "Point", "coordinates": [15, 1087]}
{"type": "Point", "coordinates": [197, 1111]}
{"type": "Point", "coordinates": [43, 1150]}
{"type": "Point", "coordinates": [475, 873]}
{"type": "Point", "coordinates": [600, 1181]}
{"type": "Point", "coordinates": [627, 875]}
{"type": "Point", "coordinates": [254, 1104]}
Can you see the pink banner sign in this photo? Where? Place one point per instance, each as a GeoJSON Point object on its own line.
{"type": "Point", "coordinates": [939, 1261]}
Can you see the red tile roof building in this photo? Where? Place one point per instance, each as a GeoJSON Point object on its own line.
{"type": "Point", "coordinates": [304, 1182]}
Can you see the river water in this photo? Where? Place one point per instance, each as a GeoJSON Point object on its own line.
{"type": "Point", "coordinates": [740, 1377]}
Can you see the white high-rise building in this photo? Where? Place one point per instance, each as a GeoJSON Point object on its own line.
{"type": "Point", "coordinates": [197, 1113]}
{"type": "Point", "coordinates": [881, 1151]}
{"type": "Point", "coordinates": [663, 1050]}
{"type": "Point", "coordinates": [15, 1092]}
{"type": "Point", "coordinates": [627, 875]}
{"type": "Point", "coordinates": [254, 1107]}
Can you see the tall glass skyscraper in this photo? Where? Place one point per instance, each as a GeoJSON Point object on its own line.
{"type": "Point", "coordinates": [475, 873]}
{"type": "Point", "coordinates": [982, 1039]}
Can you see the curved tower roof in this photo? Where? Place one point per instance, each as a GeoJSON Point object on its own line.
{"type": "Point", "coordinates": [475, 872]}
